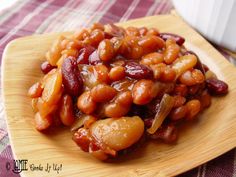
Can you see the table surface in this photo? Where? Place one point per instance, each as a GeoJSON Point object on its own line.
{"type": "Point", "coordinates": [25, 17]}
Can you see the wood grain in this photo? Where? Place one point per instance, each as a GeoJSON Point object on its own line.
{"type": "Point", "coordinates": [199, 141]}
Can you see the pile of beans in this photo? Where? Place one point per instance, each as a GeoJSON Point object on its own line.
{"type": "Point", "coordinates": [114, 86]}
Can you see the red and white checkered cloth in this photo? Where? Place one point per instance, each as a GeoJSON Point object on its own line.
{"type": "Point", "coordinates": [40, 16]}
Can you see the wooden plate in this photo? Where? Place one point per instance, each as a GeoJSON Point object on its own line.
{"type": "Point", "coordinates": [212, 135]}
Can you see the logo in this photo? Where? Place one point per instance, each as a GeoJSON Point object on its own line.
{"type": "Point", "coordinates": [17, 166]}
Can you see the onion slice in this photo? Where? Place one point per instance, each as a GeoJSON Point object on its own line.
{"type": "Point", "coordinates": [167, 103]}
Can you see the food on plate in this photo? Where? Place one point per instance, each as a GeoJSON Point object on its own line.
{"type": "Point", "coordinates": [117, 87]}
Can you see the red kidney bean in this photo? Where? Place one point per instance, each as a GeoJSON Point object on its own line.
{"type": "Point", "coordinates": [46, 67]}
{"type": "Point", "coordinates": [71, 78]}
{"type": "Point", "coordinates": [84, 53]}
{"type": "Point", "coordinates": [179, 40]}
{"type": "Point", "coordinates": [216, 86]}
{"type": "Point", "coordinates": [94, 58]}
{"type": "Point", "coordinates": [138, 71]}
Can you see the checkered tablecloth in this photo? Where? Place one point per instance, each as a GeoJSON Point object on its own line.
{"type": "Point", "coordinates": [26, 17]}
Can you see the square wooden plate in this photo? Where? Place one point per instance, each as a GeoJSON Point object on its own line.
{"type": "Point", "coordinates": [212, 135]}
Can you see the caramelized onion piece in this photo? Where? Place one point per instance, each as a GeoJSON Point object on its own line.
{"type": "Point", "coordinates": [117, 133]}
{"type": "Point", "coordinates": [167, 103]}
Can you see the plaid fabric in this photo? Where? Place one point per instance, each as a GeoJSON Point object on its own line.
{"type": "Point", "coordinates": [40, 16]}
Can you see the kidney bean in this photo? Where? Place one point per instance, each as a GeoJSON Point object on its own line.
{"type": "Point", "coordinates": [144, 91]}
{"type": "Point", "coordinates": [46, 67]}
{"type": "Point", "coordinates": [194, 107]}
{"type": "Point", "coordinates": [85, 103]}
{"type": "Point", "coordinates": [216, 86]}
{"type": "Point", "coordinates": [117, 73]}
{"type": "Point", "coordinates": [71, 78]}
{"type": "Point", "coordinates": [179, 40]}
{"type": "Point", "coordinates": [66, 110]}
{"type": "Point", "coordinates": [103, 93]}
{"type": "Point", "coordinates": [138, 71]}
{"type": "Point", "coordinates": [84, 53]}
{"type": "Point", "coordinates": [35, 90]}
{"type": "Point", "coordinates": [105, 50]}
